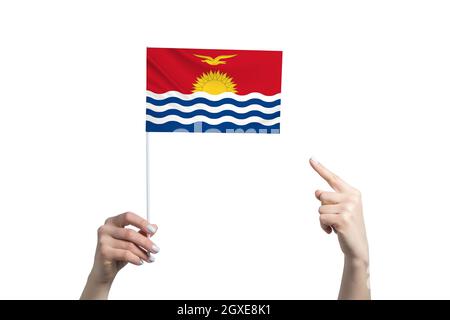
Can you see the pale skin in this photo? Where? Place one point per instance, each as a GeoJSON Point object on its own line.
{"type": "Point", "coordinates": [116, 247]}
{"type": "Point", "coordinates": [340, 211]}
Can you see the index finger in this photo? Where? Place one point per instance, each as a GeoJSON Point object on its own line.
{"type": "Point", "coordinates": [332, 179]}
{"type": "Point", "coordinates": [130, 218]}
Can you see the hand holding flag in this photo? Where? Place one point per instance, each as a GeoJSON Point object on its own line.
{"type": "Point", "coordinates": [117, 246]}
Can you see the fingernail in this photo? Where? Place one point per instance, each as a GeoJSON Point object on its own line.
{"type": "Point", "coordinates": [151, 228]}
{"type": "Point", "coordinates": [151, 258]}
{"type": "Point", "coordinates": [314, 160]}
{"type": "Point", "coordinates": [142, 261]}
{"type": "Point", "coordinates": [155, 248]}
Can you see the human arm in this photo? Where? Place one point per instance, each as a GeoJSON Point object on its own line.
{"type": "Point", "coordinates": [341, 211]}
{"type": "Point", "coordinates": [116, 247]}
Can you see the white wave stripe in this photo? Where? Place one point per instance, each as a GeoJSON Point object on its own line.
{"type": "Point", "coordinates": [220, 120]}
{"type": "Point", "coordinates": [213, 97]}
{"type": "Point", "coordinates": [202, 106]}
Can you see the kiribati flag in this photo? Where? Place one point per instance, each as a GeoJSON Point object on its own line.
{"type": "Point", "coordinates": [199, 90]}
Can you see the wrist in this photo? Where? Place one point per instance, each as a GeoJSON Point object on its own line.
{"type": "Point", "coordinates": [96, 288]}
{"type": "Point", "coordinates": [357, 262]}
{"type": "Point", "coordinates": [99, 280]}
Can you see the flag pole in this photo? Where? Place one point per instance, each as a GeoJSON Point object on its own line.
{"type": "Point", "coordinates": [147, 158]}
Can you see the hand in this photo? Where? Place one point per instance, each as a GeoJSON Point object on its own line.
{"type": "Point", "coordinates": [117, 246]}
{"type": "Point", "coordinates": [342, 212]}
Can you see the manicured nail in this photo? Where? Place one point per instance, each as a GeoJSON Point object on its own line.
{"type": "Point", "coordinates": [155, 248]}
{"type": "Point", "coordinates": [151, 258]}
{"type": "Point", "coordinates": [151, 228]}
{"type": "Point", "coordinates": [314, 160]}
{"type": "Point", "coordinates": [141, 262]}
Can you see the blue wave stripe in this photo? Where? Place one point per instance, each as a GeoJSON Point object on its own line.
{"type": "Point", "coordinates": [213, 115]}
{"type": "Point", "coordinates": [225, 127]}
{"type": "Point", "coordinates": [213, 103]}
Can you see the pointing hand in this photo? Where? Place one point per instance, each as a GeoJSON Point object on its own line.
{"type": "Point", "coordinates": [342, 212]}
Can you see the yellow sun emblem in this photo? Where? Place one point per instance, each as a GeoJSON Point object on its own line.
{"type": "Point", "coordinates": [214, 82]}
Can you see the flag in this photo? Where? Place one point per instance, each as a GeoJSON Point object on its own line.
{"type": "Point", "coordinates": [202, 90]}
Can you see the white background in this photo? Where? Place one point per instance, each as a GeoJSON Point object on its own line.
{"type": "Point", "coordinates": [365, 90]}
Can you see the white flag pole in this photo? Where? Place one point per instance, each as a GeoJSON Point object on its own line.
{"type": "Point", "coordinates": [147, 165]}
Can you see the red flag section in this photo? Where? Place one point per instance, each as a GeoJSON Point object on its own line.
{"type": "Point", "coordinates": [213, 71]}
